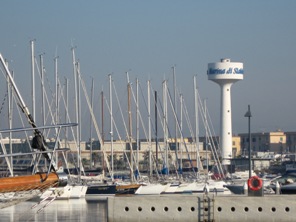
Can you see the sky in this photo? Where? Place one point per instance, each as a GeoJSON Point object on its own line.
{"type": "Point", "coordinates": [147, 38]}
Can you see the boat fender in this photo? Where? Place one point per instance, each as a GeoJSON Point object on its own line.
{"type": "Point", "coordinates": [255, 183]}
{"type": "Point", "coordinates": [63, 179]}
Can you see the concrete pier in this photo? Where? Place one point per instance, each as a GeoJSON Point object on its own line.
{"type": "Point", "coordinates": [202, 208]}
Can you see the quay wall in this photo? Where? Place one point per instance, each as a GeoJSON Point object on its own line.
{"type": "Point", "coordinates": [187, 208]}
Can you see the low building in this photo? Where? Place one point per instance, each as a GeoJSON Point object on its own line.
{"type": "Point", "coordinates": [291, 142]}
{"type": "Point", "coordinates": [263, 142]}
{"type": "Point", "coordinates": [236, 146]}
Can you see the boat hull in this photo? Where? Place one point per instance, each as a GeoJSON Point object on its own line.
{"type": "Point", "coordinates": [100, 192]}
{"type": "Point", "coordinates": [40, 181]}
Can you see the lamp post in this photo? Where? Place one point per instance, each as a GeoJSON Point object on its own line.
{"type": "Point", "coordinates": [249, 115]}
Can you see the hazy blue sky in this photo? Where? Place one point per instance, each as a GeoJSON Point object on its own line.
{"type": "Point", "coordinates": [147, 38]}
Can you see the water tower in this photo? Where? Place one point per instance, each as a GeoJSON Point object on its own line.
{"type": "Point", "coordinates": [225, 73]}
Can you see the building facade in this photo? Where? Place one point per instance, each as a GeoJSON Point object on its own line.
{"type": "Point", "coordinates": [291, 142]}
{"type": "Point", "coordinates": [263, 142]}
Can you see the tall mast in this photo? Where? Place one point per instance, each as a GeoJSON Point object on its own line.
{"type": "Point", "coordinates": [90, 124]}
{"type": "Point", "coordinates": [102, 114]}
{"type": "Point", "coordinates": [75, 88]}
{"type": "Point", "coordinates": [79, 118]}
{"type": "Point", "coordinates": [56, 90]}
{"type": "Point", "coordinates": [56, 119]}
{"type": "Point", "coordinates": [181, 129]}
{"type": "Point", "coordinates": [196, 125]}
{"type": "Point", "coordinates": [103, 134]}
{"type": "Point", "coordinates": [165, 127]}
{"type": "Point", "coordinates": [175, 108]}
{"type": "Point", "coordinates": [206, 140]}
{"type": "Point", "coordinates": [137, 123]}
{"type": "Point", "coordinates": [33, 77]}
{"type": "Point", "coordinates": [10, 108]}
{"type": "Point", "coordinates": [111, 124]}
{"type": "Point", "coordinates": [156, 128]}
{"type": "Point", "coordinates": [67, 108]}
{"type": "Point", "coordinates": [130, 128]}
{"type": "Point", "coordinates": [75, 74]}
{"type": "Point", "coordinates": [149, 128]}
{"type": "Point", "coordinates": [42, 89]}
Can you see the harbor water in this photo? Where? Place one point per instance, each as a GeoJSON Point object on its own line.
{"type": "Point", "coordinates": [56, 211]}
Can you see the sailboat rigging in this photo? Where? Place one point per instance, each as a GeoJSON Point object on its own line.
{"type": "Point", "coordinates": [39, 181]}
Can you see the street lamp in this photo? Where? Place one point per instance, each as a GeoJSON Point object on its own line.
{"type": "Point", "coordinates": [249, 115]}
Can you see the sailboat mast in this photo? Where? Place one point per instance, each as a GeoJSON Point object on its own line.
{"type": "Point", "coordinates": [207, 134]}
{"type": "Point", "coordinates": [102, 115]}
{"type": "Point", "coordinates": [67, 108]}
{"type": "Point", "coordinates": [103, 134]}
{"type": "Point", "coordinates": [137, 123]}
{"type": "Point", "coordinates": [75, 88]}
{"type": "Point", "coordinates": [196, 125]}
{"type": "Point", "coordinates": [9, 96]}
{"type": "Point", "coordinates": [56, 96]}
{"type": "Point", "coordinates": [111, 125]}
{"type": "Point", "coordinates": [33, 77]}
{"type": "Point", "coordinates": [90, 124]}
{"type": "Point", "coordinates": [56, 90]}
{"type": "Point", "coordinates": [165, 127]}
{"type": "Point", "coordinates": [42, 89]}
{"type": "Point", "coordinates": [149, 128]}
{"type": "Point", "coordinates": [75, 74]}
{"type": "Point", "coordinates": [79, 119]}
{"type": "Point", "coordinates": [175, 110]}
{"type": "Point", "coordinates": [130, 129]}
{"type": "Point", "coordinates": [156, 128]}
{"type": "Point", "coordinates": [181, 129]}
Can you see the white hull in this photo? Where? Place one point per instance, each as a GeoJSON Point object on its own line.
{"type": "Point", "coordinates": [58, 193]}
{"type": "Point", "coordinates": [151, 189]}
{"type": "Point", "coordinates": [183, 188]}
{"type": "Point", "coordinates": [210, 186]}
{"type": "Point", "coordinates": [78, 191]}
